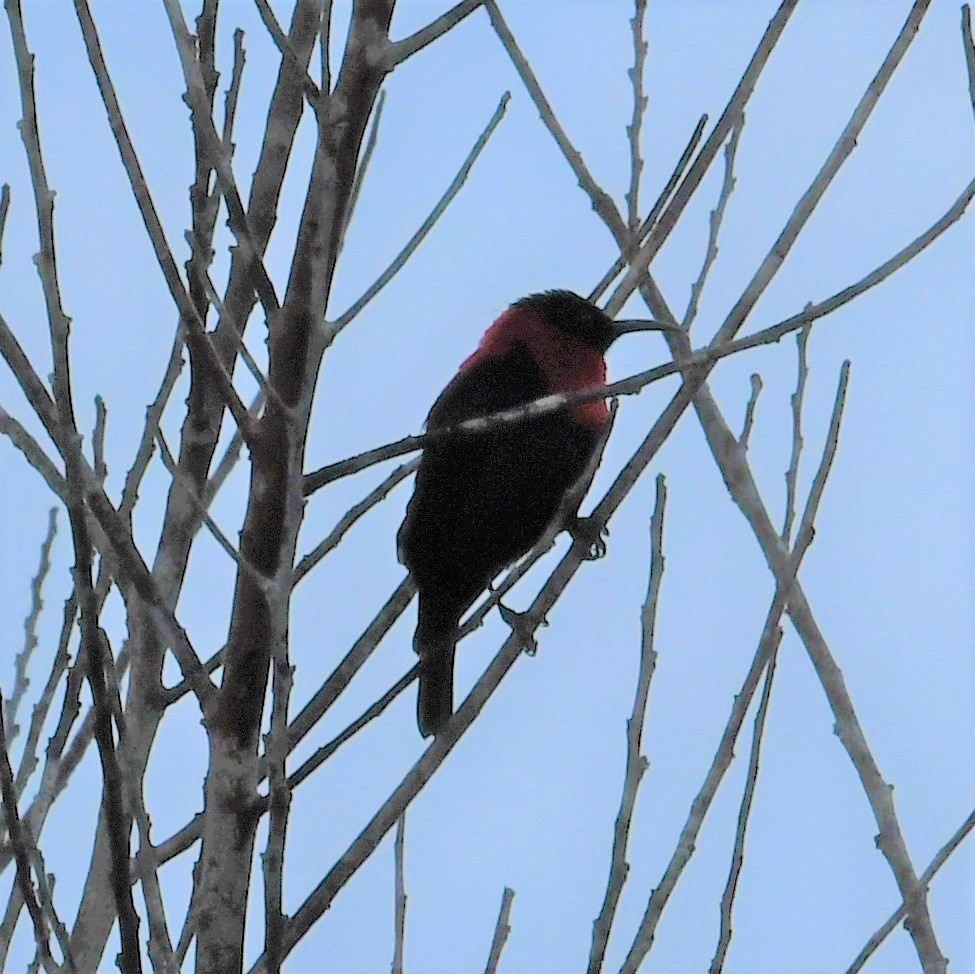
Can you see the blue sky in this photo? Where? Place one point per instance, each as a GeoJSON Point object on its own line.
{"type": "Point", "coordinates": [527, 798]}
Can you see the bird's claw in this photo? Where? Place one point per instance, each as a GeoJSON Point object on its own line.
{"type": "Point", "coordinates": [587, 533]}
{"type": "Point", "coordinates": [522, 627]}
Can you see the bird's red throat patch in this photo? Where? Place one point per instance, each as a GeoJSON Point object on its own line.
{"type": "Point", "coordinates": [567, 364]}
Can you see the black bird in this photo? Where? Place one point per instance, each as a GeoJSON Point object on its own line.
{"type": "Point", "coordinates": [482, 500]}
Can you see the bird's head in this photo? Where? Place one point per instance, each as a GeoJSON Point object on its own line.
{"type": "Point", "coordinates": [581, 319]}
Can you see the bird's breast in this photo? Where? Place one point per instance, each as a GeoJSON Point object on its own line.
{"type": "Point", "coordinates": [567, 364]}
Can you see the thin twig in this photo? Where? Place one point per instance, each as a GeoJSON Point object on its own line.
{"type": "Point", "coordinates": [744, 812]}
{"type": "Point", "coordinates": [98, 441]}
{"type": "Point", "coordinates": [287, 51]}
{"type": "Point", "coordinates": [4, 207]}
{"type": "Point", "coordinates": [21, 843]}
{"type": "Point", "coordinates": [172, 467]}
{"type": "Point", "coordinates": [792, 474]}
{"type": "Point", "coordinates": [399, 51]}
{"type": "Point", "coordinates": [602, 202]}
{"type": "Point", "coordinates": [746, 428]}
{"type": "Point", "coordinates": [667, 220]}
{"type": "Point", "coordinates": [636, 763]}
{"type": "Point", "coordinates": [714, 222]}
{"type": "Point", "coordinates": [32, 451]}
{"type": "Point", "coordinates": [279, 803]}
{"type": "Point", "coordinates": [662, 200]}
{"type": "Point", "coordinates": [22, 662]}
{"type": "Point", "coordinates": [324, 36]}
{"type": "Point", "coordinates": [233, 93]}
{"type": "Point", "coordinates": [839, 154]}
{"type": "Point", "coordinates": [399, 893]}
{"type": "Point", "coordinates": [969, 44]}
{"type": "Point", "coordinates": [334, 537]}
{"type": "Point", "coordinates": [154, 413]}
{"type": "Point", "coordinates": [28, 757]}
{"type": "Point", "coordinates": [322, 754]}
{"type": "Point", "coordinates": [924, 880]}
{"type": "Point", "coordinates": [420, 235]}
{"type": "Point", "coordinates": [362, 169]}
{"type": "Point", "coordinates": [639, 109]}
{"type": "Point", "coordinates": [502, 930]}
{"type": "Point", "coordinates": [45, 894]}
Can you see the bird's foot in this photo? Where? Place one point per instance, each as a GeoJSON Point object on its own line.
{"type": "Point", "coordinates": [523, 627]}
{"type": "Point", "coordinates": [588, 533]}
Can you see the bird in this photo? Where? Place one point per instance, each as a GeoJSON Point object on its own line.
{"type": "Point", "coordinates": [482, 500]}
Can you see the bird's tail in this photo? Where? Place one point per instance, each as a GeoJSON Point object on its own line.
{"type": "Point", "coordinates": [435, 643]}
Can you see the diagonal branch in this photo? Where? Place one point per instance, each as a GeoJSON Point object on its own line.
{"type": "Point", "coordinates": [502, 930]}
{"type": "Point", "coordinates": [602, 202]}
{"type": "Point", "coordinates": [924, 880]}
{"type": "Point", "coordinates": [399, 51]}
{"type": "Point", "coordinates": [424, 229]}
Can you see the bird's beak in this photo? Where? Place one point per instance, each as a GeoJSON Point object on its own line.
{"type": "Point", "coordinates": [628, 325]}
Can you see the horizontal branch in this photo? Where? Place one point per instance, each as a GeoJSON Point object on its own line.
{"type": "Point", "coordinates": [701, 358]}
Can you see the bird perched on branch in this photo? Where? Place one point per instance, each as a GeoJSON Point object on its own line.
{"type": "Point", "coordinates": [482, 500]}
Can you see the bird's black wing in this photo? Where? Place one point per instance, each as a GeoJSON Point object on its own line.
{"type": "Point", "coordinates": [482, 500]}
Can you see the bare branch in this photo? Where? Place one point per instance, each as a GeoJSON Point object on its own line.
{"type": "Point", "coordinates": [334, 537]}
{"type": "Point", "coordinates": [792, 474]}
{"type": "Point", "coordinates": [414, 242]}
{"type": "Point", "coordinates": [154, 413]}
{"type": "Point", "coordinates": [324, 34]}
{"type": "Point", "coordinates": [173, 468]}
{"type": "Point", "coordinates": [746, 429]}
{"type": "Point", "coordinates": [32, 451]}
{"type": "Point", "coordinates": [656, 209]}
{"type": "Point", "coordinates": [399, 924]}
{"type": "Point", "coordinates": [399, 51]}
{"type": "Point", "coordinates": [940, 858]}
{"type": "Point", "coordinates": [28, 758]}
{"type": "Point", "coordinates": [969, 44]}
{"type": "Point", "coordinates": [636, 763]}
{"type": "Point", "coordinates": [689, 184]}
{"type": "Point", "coordinates": [279, 803]}
{"type": "Point", "coordinates": [206, 132]}
{"type": "Point", "coordinates": [362, 168]}
{"type": "Point", "coordinates": [322, 754]}
{"type": "Point", "coordinates": [4, 207]}
{"type": "Point", "coordinates": [717, 215]}
{"type": "Point", "coordinates": [810, 199]}
{"type": "Point", "coordinates": [744, 812]}
{"type": "Point", "coordinates": [502, 930]}
{"type": "Point", "coordinates": [602, 202]}
{"type": "Point", "coordinates": [639, 109]}
{"type": "Point", "coordinates": [233, 91]}
{"type": "Point", "coordinates": [45, 894]}
{"type": "Point", "coordinates": [284, 46]}
{"type": "Point", "coordinates": [22, 662]}
{"type": "Point", "coordinates": [21, 844]}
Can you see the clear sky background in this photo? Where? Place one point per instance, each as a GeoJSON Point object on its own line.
{"type": "Point", "coordinates": [528, 797]}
